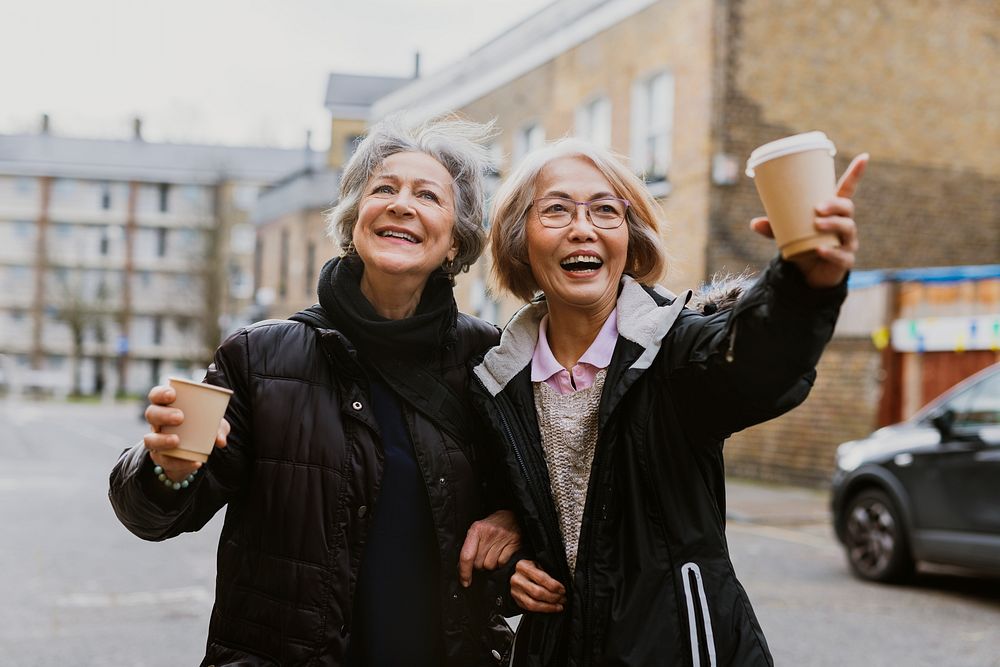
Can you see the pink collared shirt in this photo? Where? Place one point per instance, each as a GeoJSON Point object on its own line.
{"type": "Point", "coordinates": [545, 368]}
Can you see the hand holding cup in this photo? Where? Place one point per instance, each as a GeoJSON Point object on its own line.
{"type": "Point", "coordinates": [160, 414]}
{"type": "Point", "coordinates": [826, 265]}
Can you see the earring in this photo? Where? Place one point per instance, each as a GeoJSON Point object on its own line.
{"type": "Point", "coordinates": [448, 266]}
{"type": "Point", "coordinates": [349, 249]}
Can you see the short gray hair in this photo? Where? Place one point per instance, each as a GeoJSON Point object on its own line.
{"type": "Point", "coordinates": [459, 145]}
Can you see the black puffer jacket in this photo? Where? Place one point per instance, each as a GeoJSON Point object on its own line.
{"type": "Point", "coordinates": [654, 584]}
{"type": "Point", "coordinates": [300, 474]}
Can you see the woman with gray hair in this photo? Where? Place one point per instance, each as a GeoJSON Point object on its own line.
{"type": "Point", "coordinates": [359, 500]}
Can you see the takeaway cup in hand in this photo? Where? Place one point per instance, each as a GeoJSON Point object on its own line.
{"type": "Point", "coordinates": [794, 175]}
{"type": "Point", "coordinates": [204, 406]}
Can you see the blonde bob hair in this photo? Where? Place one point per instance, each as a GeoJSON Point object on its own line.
{"type": "Point", "coordinates": [646, 259]}
{"type": "Point", "coordinates": [459, 145]}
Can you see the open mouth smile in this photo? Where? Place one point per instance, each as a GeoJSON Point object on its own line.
{"type": "Point", "coordinates": [395, 234]}
{"type": "Point", "coordinates": [581, 263]}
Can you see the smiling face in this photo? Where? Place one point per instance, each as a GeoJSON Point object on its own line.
{"type": "Point", "coordinates": [406, 218]}
{"type": "Point", "coordinates": [577, 266]}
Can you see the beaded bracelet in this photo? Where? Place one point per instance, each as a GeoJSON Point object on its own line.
{"type": "Point", "coordinates": [170, 484]}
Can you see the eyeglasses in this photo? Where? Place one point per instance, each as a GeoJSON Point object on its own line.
{"type": "Point", "coordinates": [605, 213]}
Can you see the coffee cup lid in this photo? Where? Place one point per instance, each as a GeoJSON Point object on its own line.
{"type": "Point", "coordinates": [203, 385]}
{"type": "Point", "coordinates": [807, 141]}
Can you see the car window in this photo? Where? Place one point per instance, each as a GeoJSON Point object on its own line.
{"type": "Point", "coordinates": [979, 405]}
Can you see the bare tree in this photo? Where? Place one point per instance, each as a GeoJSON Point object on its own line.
{"type": "Point", "coordinates": [80, 312]}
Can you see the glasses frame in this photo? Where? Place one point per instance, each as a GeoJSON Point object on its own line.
{"type": "Point", "coordinates": [576, 208]}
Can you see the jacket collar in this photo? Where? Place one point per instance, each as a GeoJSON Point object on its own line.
{"type": "Point", "coordinates": [645, 315]}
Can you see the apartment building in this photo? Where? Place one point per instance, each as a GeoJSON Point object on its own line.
{"type": "Point", "coordinates": [124, 261]}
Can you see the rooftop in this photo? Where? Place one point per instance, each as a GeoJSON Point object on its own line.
{"type": "Point", "coordinates": [138, 160]}
{"type": "Point", "coordinates": [549, 32]}
{"type": "Point", "coordinates": [352, 95]}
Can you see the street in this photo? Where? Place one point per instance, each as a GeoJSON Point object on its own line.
{"type": "Point", "coordinates": [79, 590]}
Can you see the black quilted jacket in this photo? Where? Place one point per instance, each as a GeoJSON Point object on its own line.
{"type": "Point", "coordinates": [300, 477]}
{"type": "Point", "coordinates": [653, 583]}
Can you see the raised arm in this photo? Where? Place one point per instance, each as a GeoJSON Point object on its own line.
{"type": "Point", "coordinates": [755, 361]}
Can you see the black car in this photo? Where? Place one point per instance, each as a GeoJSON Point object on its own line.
{"type": "Point", "coordinates": [926, 489]}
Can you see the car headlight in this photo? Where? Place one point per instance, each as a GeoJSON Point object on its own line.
{"type": "Point", "coordinates": [849, 457]}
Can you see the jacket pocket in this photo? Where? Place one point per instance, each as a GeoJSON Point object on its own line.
{"type": "Point", "coordinates": [699, 619]}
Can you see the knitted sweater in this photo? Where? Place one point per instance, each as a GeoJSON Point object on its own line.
{"type": "Point", "coordinates": [568, 425]}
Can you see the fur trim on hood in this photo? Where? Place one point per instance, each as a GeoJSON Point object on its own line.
{"type": "Point", "coordinates": [720, 293]}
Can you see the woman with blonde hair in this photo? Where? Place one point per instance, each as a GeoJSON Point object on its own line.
{"type": "Point", "coordinates": [611, 399]}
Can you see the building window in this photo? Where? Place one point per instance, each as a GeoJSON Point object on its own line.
{"type": "Point", "coordinates": [164, 192]}
{"type": "Point", "coordinates": [63, 188]}
{"type": "Point", "coordinates": [241, 239]}
{"type": "Point", "coordinates": [105, 196]}
{"type": "Point", "coordinates": [283, 265]}
{"type": "Point", "coordinates": [652, 125]}
{"type": "Point", "coordinates": [24, 228]}
{"type": "Point", "coordinates": [161, 242]}
{"type": "Point", "coordinates": [25, 185]}
{"type": "Point", "coordinates": [528, 138]}
{"type": "Point", "coordinates": [593, 121]}
{"type": "Point", "coordinates": [310, 268]}
{"type": "Point", "coordinates": [258, 263]}
{"type": "Point", "coordinates": [245, 196]}
{"type": "Point", "coordinates": [105, 242]}
{"type": "Point", "coordinates": [157, 330]}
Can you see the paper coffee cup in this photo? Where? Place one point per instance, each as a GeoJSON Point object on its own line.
{"type": "Point", "coordinates": [792, 176]}
{"type": "Point", "coordinates": [204, 406]}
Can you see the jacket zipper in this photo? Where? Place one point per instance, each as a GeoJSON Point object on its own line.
{"type": "Point", "coordinates": [730, 350]}
{"type": "Point", "coordinates": [549, 521]}
{"type": "Point", "coordinates": [693, 585]}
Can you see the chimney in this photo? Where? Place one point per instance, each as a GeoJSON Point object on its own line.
{"type": "Point", "coordinates": [45, 124]}
{"type": "Point", "coordinates": [416, 65]}
{"type": "Point", "coordinates": [308, 152]}
{"type": "Point", "coordinates": [137, 128]}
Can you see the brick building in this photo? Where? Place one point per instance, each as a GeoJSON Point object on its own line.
{"type": "Point", "coordinates": [687, 88]}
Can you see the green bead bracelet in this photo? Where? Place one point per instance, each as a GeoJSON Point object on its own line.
{"type": "Point", "coordinates": [170, 484]}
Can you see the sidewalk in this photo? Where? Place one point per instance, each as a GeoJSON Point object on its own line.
{"type": "Point", "coordinates": [750, 501]}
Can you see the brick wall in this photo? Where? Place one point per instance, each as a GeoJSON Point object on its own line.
{"type": "Point", "coordinates": [924, 108]}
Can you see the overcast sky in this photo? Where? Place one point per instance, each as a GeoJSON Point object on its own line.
{"type": "Point", "coordinates": [219, 71]}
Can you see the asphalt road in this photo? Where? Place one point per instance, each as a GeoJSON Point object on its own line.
{"type": "Point", "coordinates": [77, 589]}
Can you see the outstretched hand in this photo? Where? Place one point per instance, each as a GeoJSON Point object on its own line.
{"type": "Point", "coordinates": [826, 267]}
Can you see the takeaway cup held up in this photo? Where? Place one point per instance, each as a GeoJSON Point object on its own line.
{"type": "Point", "coordinates": [793, 175]}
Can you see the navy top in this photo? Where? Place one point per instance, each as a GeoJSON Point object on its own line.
{"type": "Point", "coordinates": [397, 604]}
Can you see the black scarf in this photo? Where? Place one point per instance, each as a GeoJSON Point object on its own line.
{"type": "Point", "coordinates": [418, 338]}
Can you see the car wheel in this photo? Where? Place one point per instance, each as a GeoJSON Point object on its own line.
{"type": "Point", "coordinates": [877, 546]}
